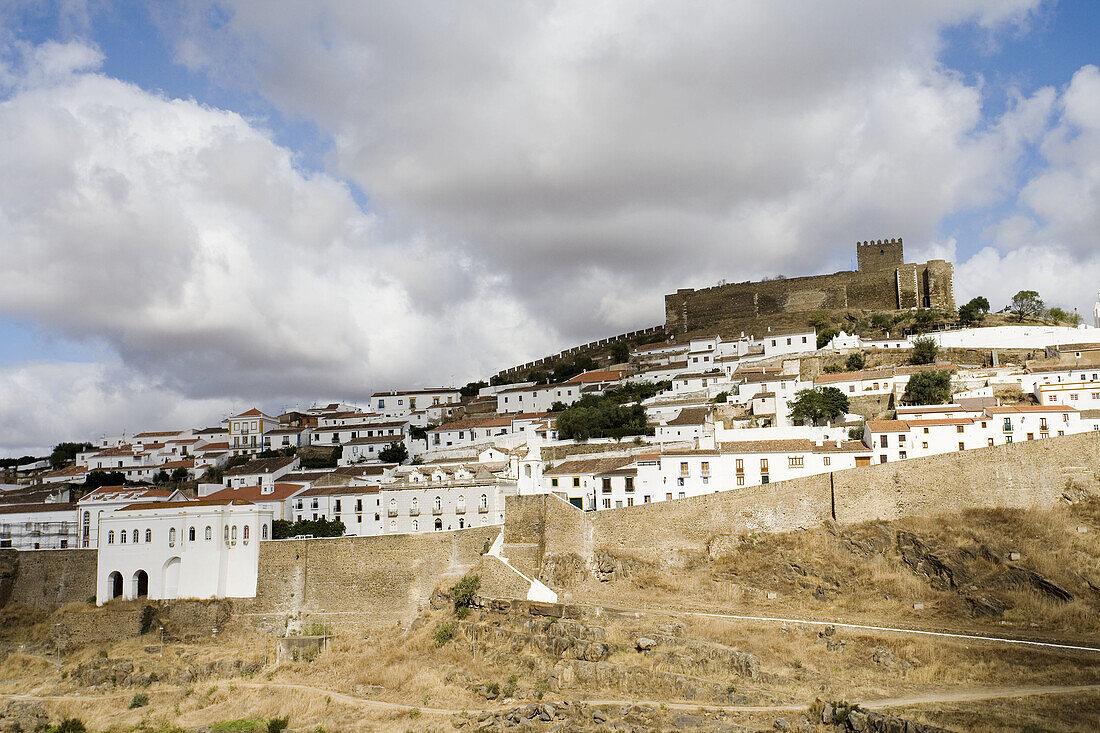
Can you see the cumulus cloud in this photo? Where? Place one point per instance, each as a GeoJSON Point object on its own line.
{"type": "Point", "coordinates": [187, 241]}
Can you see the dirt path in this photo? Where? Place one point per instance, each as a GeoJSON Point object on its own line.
{"type": "Point", "coordinates": [970, 694]}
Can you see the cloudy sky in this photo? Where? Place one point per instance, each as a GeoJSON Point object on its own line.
{"type": "Point", "coordinates": [206, 206]}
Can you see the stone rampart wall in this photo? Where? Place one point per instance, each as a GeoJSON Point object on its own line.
{"type": "Point", "coordinates": [48, 579]}
{"type": "Point", "coordinates": [1028, 474]}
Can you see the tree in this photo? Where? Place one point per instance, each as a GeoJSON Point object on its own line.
{"type": "Point", "coordinates": [818, 405]}
{"type": "Point", "coordinates": [924, 319]}
{"type": "Point", "coordinates": [161, 477]}
{"type": "Point", "coordinates": [824, 337]}
{"type": "Point", "coordinates": [472, 388]}
{"type": "Point", "coordinates": [928, 388]}
{"type": "Point", "coordinates": [180, 474]}
{"type": "Point", "coordinates": [539, 376]}
{"type": "Point", "coordinates": [882, 321]}
{"type": "Point", "coordinates": [974, 311]}
{"type": "Point", "coordinates": [616, 414]}
{"type": "Point", "coordinates": [64, 453]}
{"type": "Point", "coordinates": [620, 352]}
{"type": "Point", "coordinates": [1026, 303]}
{"type": "Point", "coordinates": [1060, 316]}
{"type": "Point", "coordinates": [281, 529]}
{"type": "Point", "coordinates": [394, 453]}
{"type": "Point", "coordinates": [95, 479]}
{"type": "Point", "coordinates": [924, 351]}
{"type": "Point", "coordinates": [855, 362]}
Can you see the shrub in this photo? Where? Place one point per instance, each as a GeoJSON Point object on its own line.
{"type": "Point", "coordinates": [465, 590]}
{"type": "Point", "coordinates": [278, 725]}
{"type": "Point", "coordinates": [444, 633]}
{"type": "Point", "coordinates": [855, 362]}
{"type": "Point", "coordinates": [924, 351]}
{"type": "Point", "coordinates": [510, 688]}
{"type": "Point", "coordinates": [69, 725]}
{"type": "Point", "coordinates": [139, 700]}
{"type": "Point", "coordinates": [462, 612]}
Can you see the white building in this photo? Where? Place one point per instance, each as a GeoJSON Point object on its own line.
{"type": "Point", "coordinates": [537, 397]}
{"type": "Point", "coordinates": [260, 471]}
{"type": "Point", "coordinates": [247, 430]}
{"type": "Point", "coordinates": [182, 549]}
{"type": "Point", "coordinates": [402, 402]}
{"type": "Point", "coordinates": [45, 526]}
{"type": "Point", "coordinates": [107, 499]}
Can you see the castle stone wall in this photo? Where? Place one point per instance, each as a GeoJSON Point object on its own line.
{"type": "Point", "coordinates": [1028, 474]}
{"type": "Point", "coordinates": [47, 579]}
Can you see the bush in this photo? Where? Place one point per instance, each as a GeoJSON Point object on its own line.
{"type": "Point", "coordinates": [281, 529]}
{"type": "Point", "coordinates": [69, 725]}
{"type": "Point", "coordinates": [444, 633]}
{"type": "Point", "coordinates": [462, 612]}
{"type": "Point", "coordinates": [139, 700]}
{"type": "Point", "coordinates": [855, 362]}
{"type": "Point", "coordinates": [465, 590]}
{"type": "Point", "coordinates": [928, 388]}
{"type": "Point", "coordinates": [278, 725]}
{"type": "Point", "coordinates": [721, 397]}
{"type": "Point", "coordinates": [924, 351]}
{"type": "Point", "coordinates": [614, 415]}
{"type": "Point", "coordinates": [394, 453]}
{"type": "Point", "coordinates": [824, 337]}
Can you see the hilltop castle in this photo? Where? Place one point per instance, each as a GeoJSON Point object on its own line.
{"type": "Point", "coordinates": [883, 281]}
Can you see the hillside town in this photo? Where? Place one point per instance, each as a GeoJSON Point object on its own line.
{"type": "Point", "coordinates": [656, 418]}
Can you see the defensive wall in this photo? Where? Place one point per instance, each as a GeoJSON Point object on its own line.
{"type": "Point", "coordinates": [549, 361]}
{"type": "Point", "coordinates": [47, 579]}
{"type": "Point", "coordinates": [1027, 474]}
{"type": "Point", "coordinates": [883, 282]}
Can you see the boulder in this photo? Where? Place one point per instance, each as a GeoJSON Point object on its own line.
{"type": "Point", "coordinates": [644, 643]}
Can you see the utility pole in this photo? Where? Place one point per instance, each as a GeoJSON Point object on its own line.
{"type": "Point", "coordinates": [162, 642]}
{"type": "Point", "coordinates": [58, 626]}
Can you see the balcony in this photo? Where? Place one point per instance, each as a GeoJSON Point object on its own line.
{"type": "Point", "coordinates": [414, 512]}
{"type": "Point", "coordinates": [437, 510]}
{"type": "Point", "coordinates": [391, 513]}
{"type": "Point", "coordinates": [483, 510]}
{"type": "Point", "coordinates": [460, 510]}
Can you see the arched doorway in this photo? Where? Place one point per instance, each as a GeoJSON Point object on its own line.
{"type": "Point", "coordinates": [141, 584]}
{"type": "Point", "coordinates": [438, 524]}
{"type": "Point", "coordinates": [114, 582]}
{"type": "Point", "coordinates": [172, 578]}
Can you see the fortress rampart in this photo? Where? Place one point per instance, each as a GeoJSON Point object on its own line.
{"type": "Point", "coordinates": [882, 282]}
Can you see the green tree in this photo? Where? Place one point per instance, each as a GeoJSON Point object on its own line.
{"type": "Point", "coordinates": [620, 352]}
{"type": "Point", "coordinates": [394, 453]}
{"type": "Point", "coordinates": [924, 319]}
{"type": "Point", "coordinates": [855, 362]}
{"type": "Point", "coordinates": [539, 376]}
{"type": "Point", "coordinates": [65, 453]}
{"type": "Point", "coordinates": [818, 405]}
{"type": "Point", "coordinates": [180, 474]}
{"type": "Point", "coordinates": [95, 479]}
{"type": "Point", "coordinates": [282, 529]}
{"type": "Point", "coordinates": [882, 321]}
{"type": "Point", "coordinates": [974, 311]}
{"type": "Point", "coordinates": [1060, 316]}
{"type": "Point", "coordinates": [1026, 303]}
{"type": "Point", "coordinates": [472, 388]}
{"type": "Point", "coordinates": [614, 415]}
{"type": "Point", "coordinates": [924, 351]}
{"type": "Point", "coordinates": [824, 337]}
{"type": "Point", "coordinates": [928, 388]}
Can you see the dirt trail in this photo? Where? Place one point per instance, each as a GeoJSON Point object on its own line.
{"type": "Point", "coordinates": [969, 694]}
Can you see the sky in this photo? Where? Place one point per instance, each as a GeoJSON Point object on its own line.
{"type": "Point", "coordinates": [212, 205]}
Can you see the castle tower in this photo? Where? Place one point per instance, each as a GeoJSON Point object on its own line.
{"type": "Point", "coordinates": [876, 256]}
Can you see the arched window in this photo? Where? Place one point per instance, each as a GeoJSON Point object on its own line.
{"type": "Point", "coordinates": [438, 524]}
{"type": "Point", "coordinates": [263, 533]}
{"type": "Point", "coordinates": [234, 533]}
{"type": "Point", "coordinates": [527, 470]}
{"type": "Point", "coordinates": [172, 537]}
{"type": "Point", "coordinates": [209, 533]}
{"type": "Point", "coordinates": [460, 504]}
{"type": "Point", "coordinates": [437, 505]}
{"type": "Point", "coordinates": [148, 535]}
{"type": "Point", "coordinates": [87, 519]}
{"type": "Point", "coordinates": [416, 526]}
{"type": "Point", "coordinates": [191, 534]}
{"type": "Point", "coordinates": [135, 537]}
{"type": "Point", "coordinates": [246, 533]}
{"type": "Point", "coordinates": [111, 537]}
{"type": "Point", "coordinates": [461, 522]}
{"type": "Point", "coordinates": [483, 502]}
{"type": "Point", "coordinates": [393, 505]}
{"type": "Point", "coordinates": [415, 506]}
{"type": "Point", "coordinates": [122, 537]}
{"type": "Point", "coordinates": [393, 525]}
{"type": "Point", "coordinates": [226, 533]}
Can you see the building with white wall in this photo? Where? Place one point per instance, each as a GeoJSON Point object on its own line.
{"type": "Point", "coordinates": [181, 549]}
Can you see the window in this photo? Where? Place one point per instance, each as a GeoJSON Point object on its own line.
{"type": "Point", "coordinates": [962, 445]}
{"type": "Point", "coordinates": [1008, 425]}
{"type": "Point", "coordinates": [763, 465]}
{"type": "Point", "coordinates": [483, 503]}
{"type": "Point", "coordinates": [827, 461]}
{"type": "Point", "coordinates": [606, 483]}
{"type": "Point", "coordinates": [148, 535]}
{"type": "Point", "coordinates": [990, 441]}
{"type": "Point", "coordinates": [740, 479]}
{"type": "Point", "coordinates": [882, 459]}
{"type": "Point", "coordinates": [263, 532]}
{"type": "Point", "coordinates": [680, 481]}
{"type": "Point", "coordinates": [246, 533]}
{"type": "Point", "coordinates": [226, 533]}
{"type": "Point", "coordinates": [414, 506]}
{"type": "Point", "coordinates": [668, 496]}
{"type": "Point", "coordinates": [576, 482]}
{"type": "Point", "coordinates": [705, 468]}
{"type": "Point", "coordinates": [209, 533]}
{"type": "Point", "coordinates": [740, 465]}
{"type": "Point", "coordinates": [122, 537]}
{"type": "Point", "coordinates": [172, 537]}
{"type": "Point", "coordinates": [437, 505]}
{"type": "Point", "coordinates": [684, 468]}
{"type": "Point", "coordinates": [460, 504]}
{"type": "Point", "coordinates": [925, 444]}
{"type": "Point", "coordinates": [883, 441]}
{"type": "Point", "coordinates": [416, 525]}
{"type": "Point", "coordinates": [1042, 423]}
{"type": "Point", "coordinates": [958, 428]}
{"type": "Point", "coordinates": [111, 537]}
{"type": "Point", "coordinates": [337, 509]}
{"type": "Point", "coordinates": [606, 503]}
{"type": "Point", "coordinates": [795, 461]}
{"type": "Point", "coordinates": [629, 483]}
{"type": "Point", "coordinates": [191, 534]}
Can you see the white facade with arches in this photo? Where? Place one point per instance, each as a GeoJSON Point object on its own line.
{"type": "Point", "coordinates": [181, 549]}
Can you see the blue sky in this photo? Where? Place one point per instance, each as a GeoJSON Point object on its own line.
{"type": "Point", "coordinates": [411, 192]}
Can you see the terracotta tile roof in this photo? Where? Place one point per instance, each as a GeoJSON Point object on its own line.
{"type": "Point", "coordinates": [213, 447]}
{"type": "Point", "coordinates": [36, 508]}
{"type": "Point", "coordinates": [940, 422]}
{"type": "Point", "coordinates": [177, 464]}
{"type": "Point", "coordinates": [769, 446]}
{"type": "Point", "coordinates": [882, 373]}
{"type": "Point", "coordinates": [1006, 409]}
{"type": "Point", "coordinates": [261, 465]}
{"type": "Point", "coordinates": [690, 416]}
{"type": "Point", "coordinates": [474, 422]}
{"type": "Point", "coordinates": [278, 492]}
{"type": "Point", "coordinates": [606, 375]}
{"type": "Point", "coordinates": [847, 446]}
{"type": "Point", "coordinates": [888, 426]}
{"type": "Point", "coordinates": [158, 434]}
{"type": "Point", "coordinates": [251, 413]}
{"type": "Point", "coordinates": [586, 466]}
{"type": "Point", "coordinates": [207, 501]}
{"type": "Point", "coordinates": [1090, 414]}
{"type": "Point", "coordinates": [338, 491]}
{"type": "Point", "coordinates": [114, 493]}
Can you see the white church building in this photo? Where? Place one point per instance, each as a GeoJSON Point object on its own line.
{"type": "Point", "coordinates": [208, 548]}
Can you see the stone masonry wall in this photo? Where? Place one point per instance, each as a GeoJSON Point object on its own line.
{"type": "Point", "coordinates": [48, 579]}
{"type": "Point", "coordinates": [1028, 474]}
{"type": "Point", "coordinates": [360, 582]}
